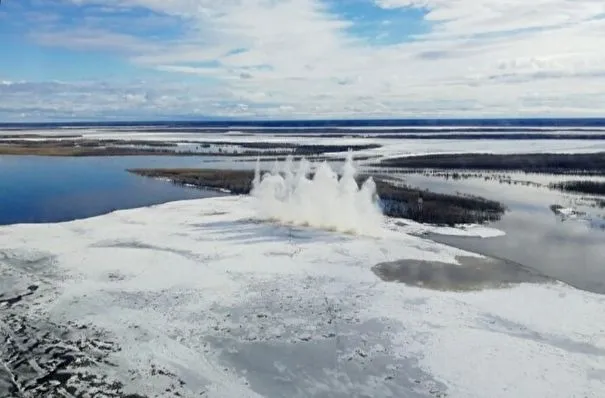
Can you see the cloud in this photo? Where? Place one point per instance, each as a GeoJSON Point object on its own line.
{"type": "Point", "coordinates": [297, 58]}
{"type": "Point", "coordinates": [480, 17]}
{"type": "Point", "coordinates": [86, 39]}
{"type": "Point", "coordinates": [107, 100]}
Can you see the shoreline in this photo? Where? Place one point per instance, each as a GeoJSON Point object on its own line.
{"type": "Point", "coordinates": [398, 201]}
{"type": "Point", "coordinates": [589, 164]}
{"type": "Point", "coordinates": [81, 147]}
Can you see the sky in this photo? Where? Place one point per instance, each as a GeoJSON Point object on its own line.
{"type": "Point", "coordinates": [300, 59]}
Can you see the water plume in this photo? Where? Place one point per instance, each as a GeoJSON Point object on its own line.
{"type": "Point", "coordinates": [292, 194]}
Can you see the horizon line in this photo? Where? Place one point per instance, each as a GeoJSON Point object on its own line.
{"type": "Point", "coordinates": [244, 121]}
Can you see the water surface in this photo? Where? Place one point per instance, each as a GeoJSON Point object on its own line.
{"type": "Point", "coordinates": [36, 189]}
{"type": "Point", "coordinates": [568, 249]}
{"type": "Point", "coordinates": [471, 273]}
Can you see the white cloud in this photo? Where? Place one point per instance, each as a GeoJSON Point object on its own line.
{"type": "Point", "coordinates": [463, 17]}
{"type": "Point", "coordinates": [90, 100]}
{"type": "Point", "coordinates": [294, 58]}
{"type": "Point", "coordinates": [93, 39]}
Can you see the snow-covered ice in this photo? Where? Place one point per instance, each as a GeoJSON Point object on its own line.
{"type": "Point", "coordinates": [389, 148]}
{"type": "Point", "coordinates": [467, 230]}
{"type": "Point", "coordinates": [201, 297]}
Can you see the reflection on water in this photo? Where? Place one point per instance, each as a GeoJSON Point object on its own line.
{"type": "Point", "coordinates": [571, 250]}
{"type": "Point", "coordinates": [50, 189]}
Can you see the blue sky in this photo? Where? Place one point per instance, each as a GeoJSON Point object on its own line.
{"type": "Point", "coordinates": [86, 59]}
{"type": "Point", "coordinates": [26, 22]}
{"type": "Point", "coordinates": [33, 58]}
{"type": "Point", "coordinates": [379, 26]}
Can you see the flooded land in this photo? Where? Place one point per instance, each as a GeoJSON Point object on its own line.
{"type": "Point", "coordinates": [566, 245]}
{"type": "Point", "coordinates": [581, 186]}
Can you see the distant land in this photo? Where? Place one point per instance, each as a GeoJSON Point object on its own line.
{"type": "Point", "coordinates": [328, 123]}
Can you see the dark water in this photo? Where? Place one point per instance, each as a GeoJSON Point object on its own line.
{"type": "Point", "coordinates": [217, 123]}
{"type": "Point", "coordinates": [571, 250]}
{"type": "Point", "coordinates": [52, 189]}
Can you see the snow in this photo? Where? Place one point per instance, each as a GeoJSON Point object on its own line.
{"type": "Point", "coordinates": [397, 148]}
{"type": "Point", "coordinates": [389, 147]}
{"type": "Point", "coordinates": [236, 307]}
{"type": "Point", "coordinates": [567, 211]}
{"type": "Point", "coordinates": [466, 230]}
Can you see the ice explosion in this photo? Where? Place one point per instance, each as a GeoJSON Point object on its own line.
{"type": "Point", "coordinates": [289, 195]}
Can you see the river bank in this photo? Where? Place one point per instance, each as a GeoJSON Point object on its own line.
{"type": "Point", "coordinates": [397, 200]}
{"type": "Point", "coordinates": [550, 163]}
{"type": "Point", "coordinates": [81, 146]}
